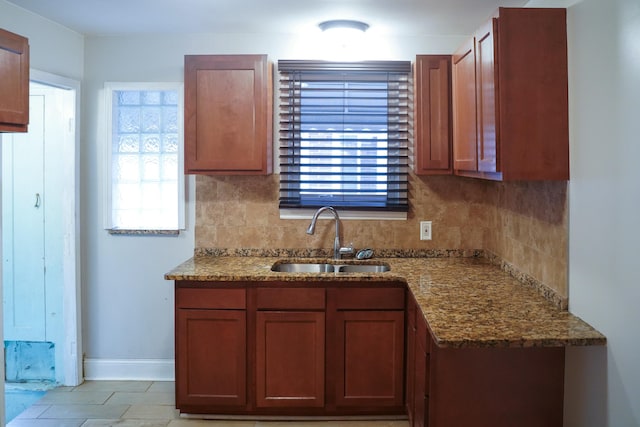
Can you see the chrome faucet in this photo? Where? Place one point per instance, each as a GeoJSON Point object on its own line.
{"type": "Point", "coordinates": [337, 250]}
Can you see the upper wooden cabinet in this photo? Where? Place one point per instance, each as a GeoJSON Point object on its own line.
{"type": "Point", "coordinates": [465, 155]}
{"type": "Point", "coordinates": [510, 98]}
{"type": "Point", "coordinates": [228, 114]}
{"type": "Point", "coordinates": [14, 82]}
{"type": "Point", "coordinates": [432, 79]}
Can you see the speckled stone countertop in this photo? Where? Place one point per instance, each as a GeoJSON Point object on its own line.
{"type": "Point", "coordinates": [466, 301]}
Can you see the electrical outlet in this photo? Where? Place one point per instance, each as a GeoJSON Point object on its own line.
{"type": "Point", "coordinates": [425, 230]}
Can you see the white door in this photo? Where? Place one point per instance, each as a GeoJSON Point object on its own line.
{"type": "Point", "coordinates": [23, 230]}
{"type": "Point", "coordinates": [39, 231]}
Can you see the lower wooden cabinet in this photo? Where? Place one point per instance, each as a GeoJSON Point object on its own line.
{"type": "Point", "coordinates": [370, 349]}
{"type": "Point", "coordinates": [367, 352]}
{"type": "Point", "coordinates": [421, 368]}
{"type": "Point", "coordinates": [290, 348]}
{"type": "Point", "coordinates": [290, 359]}
{"type": "Point", "coordinates": [330, 349]}
{"type": "Point", "coordinates": [211, 368]}
{"type": "Point", "coordinates": [496, 387]}
{"type": "Point", "coordinates": [481, 387]}
{"type": "Point", "coordinates": [410, 358]}
{"type": "Point", "coordinates": [417, 362]}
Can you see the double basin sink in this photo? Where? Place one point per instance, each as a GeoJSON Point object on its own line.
{"type": "Point", "coordinates": [320, 267]}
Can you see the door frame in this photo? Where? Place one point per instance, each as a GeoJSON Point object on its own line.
{"type": "Point", "coordinates": [72, 345]}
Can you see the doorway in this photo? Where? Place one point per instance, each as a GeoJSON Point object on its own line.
{"type": "Point", "coordinates": [40, 261]}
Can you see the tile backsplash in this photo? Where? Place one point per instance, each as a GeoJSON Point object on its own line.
{"type": "Point", "coordinates": [529, 230]}
{"type": "Point", "coordinates": [525, 224]}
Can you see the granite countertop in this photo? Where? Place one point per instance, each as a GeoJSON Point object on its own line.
{"type": "Point", "coordinates": [467, 302]}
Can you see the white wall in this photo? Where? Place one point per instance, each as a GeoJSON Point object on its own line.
{"type": "Point", "coordinates": [603, 384]}
{"type": "Point", "coordinates": [53, 48]}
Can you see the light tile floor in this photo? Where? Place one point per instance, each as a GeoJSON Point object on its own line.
{"type": "Point", "coordinates": [138, 404]}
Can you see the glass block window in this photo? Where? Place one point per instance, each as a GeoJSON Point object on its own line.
{"type": "Point", "coordinates": [145, 157]}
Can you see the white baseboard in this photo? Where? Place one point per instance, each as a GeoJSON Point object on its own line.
{"type": "Point", "coordinates": [129, 369]}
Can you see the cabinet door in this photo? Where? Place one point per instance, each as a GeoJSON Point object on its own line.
{"type": "Point", "coordinates": [228, 114]}
{"type": "Point", "coordinates": [421, 379]}
{"type": "Point", "coordinates": [14, 82]}
{"type": "Point", "coordinates": [496, 387]}
{"type": "Point", "coordinates": [432, 114]}
{"type": "Point", "coordinates": [370, 351]}
{"type": "Point", "coordinates": [410, 357]}
{"type": "Point", "coordinates": [211, 359]}
{"type": "Point", "coordinates": [533, 81]}
{"type": "Point", "coordinates": [465, 156]}
{"type": "Point", "coordinates": [487, 101]}
{"type": "Point", "coordinates": [290, 359]}
{"type": "Point", "coordinates": [520, 99]}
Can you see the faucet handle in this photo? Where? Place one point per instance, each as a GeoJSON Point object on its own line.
{"type": "Point", "coordinates": [364, 253]}
{"type": "Point", "coordinates": [348, 250]}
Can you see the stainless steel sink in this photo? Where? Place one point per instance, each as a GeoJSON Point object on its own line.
{"type": "Point", "coordinates": [303, 267]}
{"type": "Point", "coordinates": [362, 268]}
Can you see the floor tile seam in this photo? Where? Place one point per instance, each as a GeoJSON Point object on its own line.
{"type": "Point", "coordinates": [88, 404]}
{"type": "Point", "coordinates": [71, 406]}
{"type": "Point", "coordinates": [142, 417]}
{"type": "Point", "coordinates": [113, 395]}
{"type": "Point", "coordinates": [64, 394]}
{"type": "Point", "coordinates": [81, 421]}
{"type": "Point", "coordinates": [151, 383]}
{"type": "Point", "coordinates": [150, 393]}
{"type": "Point", "coordinates": [142, 404]}
{"type": "Point", "coordinates": [90, 421]}
{"type": "Point", "coordinates": [21, 417]}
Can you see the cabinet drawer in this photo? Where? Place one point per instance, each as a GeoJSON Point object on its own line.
{"type": "Point", "coordinates": [369, 298]}
{"type": "Point", "coordinates": [290, 299]}
{"type": "Point", "coordinates": [211, 298]}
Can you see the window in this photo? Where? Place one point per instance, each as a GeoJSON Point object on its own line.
{"type": "Point", "coordinates": [344, 134]}
{"type": "Point", "coordinates": [145, 179]}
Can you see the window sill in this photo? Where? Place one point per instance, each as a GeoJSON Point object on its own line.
{"type": "Point", "coordinates": [119, 232]}
{"type": "Point", "coordinates": [357, 215]}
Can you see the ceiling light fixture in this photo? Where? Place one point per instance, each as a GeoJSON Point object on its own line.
{"type": "Point", "coordinates": [343, 24]}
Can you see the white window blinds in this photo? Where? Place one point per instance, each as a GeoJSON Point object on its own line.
{"type": "Point", "coordinates": [344, 130]}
